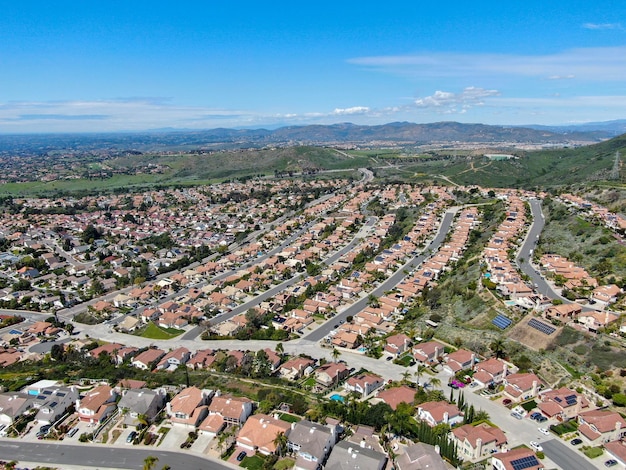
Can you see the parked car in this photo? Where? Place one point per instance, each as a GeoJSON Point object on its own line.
{"type": "Point", "coordinates": [131, 437]}
{"type": "Point", "coordinates": [506, 401]}
{"type": "Point", "coordinates": [610, 463]}
{"type": "Point", "coordinates": [43, 430]}
{"type": "Point", "coordinates": [241, 456]}
{"type": "Point", "coordinates": [72, 432]}
{"type": "Point", "coordinates": [576, 442]}
{"type": "Point", "coordinates": [536, 446]}
{"type": "Point", "coordinates": [535, 415]}
{"type": "Point", "coordinates": [516, 415]}
{"type": "Point", "coordinates": [542, 419]}
{"type": "Point", "coordinates": [544, 431]}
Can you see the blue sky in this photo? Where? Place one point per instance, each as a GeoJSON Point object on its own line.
{"type": "Point", "coordinates": [135, 65]}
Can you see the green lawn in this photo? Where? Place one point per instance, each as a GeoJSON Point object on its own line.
{"type": "Point", "coordinates": [289, 418]}
{"type": "Point", "coordinates": [529, 405]}
{"type": "Point", "coordinates": [404, 360]}
{"type": "Point", "coordinates": [592, 452]}
{"type": "Point", "coordinates": [153, 331]}
{"type": "Point", "coordinates": [563, 428]}
{"type": "Point", "coordinates": [253, 463]}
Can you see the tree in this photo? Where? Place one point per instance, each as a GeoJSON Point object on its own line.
{"type": "Point", "coordinates": [418, 371]}
{"type": "Point", "coordinates": [149, 462]}
{"type": "Point", "coordinates": [335, 354]}
{"type": "Point", "coordinates": [435, 382]}
{"type": "Point", "coordinates": [281, 443]}
{"type": "Point", "coordinates": [497, 346]}
{"type": "Point", "coordinates": [279, 349]}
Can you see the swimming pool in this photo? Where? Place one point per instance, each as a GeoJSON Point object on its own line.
{"type": "Point", "coordinates": [337, 397]}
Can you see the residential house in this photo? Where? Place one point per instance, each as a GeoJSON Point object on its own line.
{"type": "Point", "coordinates": [491, 371]}
{"type": "Point", "coordinates": [189, 407]}
{"type": "Point", "coordinates": [141, 406]}
{"type": "Point", "coordinates": [594, 321]}
{"type": "Point", "coordinates": [617, 450]}
{"type": "Point", "coordinates": [563, 403]}
{"type": "Point", "coordinates": [477, 442]}
{"type": "Point", "coordinates": [53, 402]}
{"type": "Point", "coordinates": [397, 344]}
{"type": "Point", "coordinates": [174, 358]}
{"type": "Point", "coordinates": [347, 456]}
{"type": "Point", "coordinates": [429, 352]}
{"type": "Point", "coordinates": [233, 410]}
{"type": "Point", "coordinates": [520, 387]}
{"type": "Point", "coordinates": [459, 360]}
{"type": "Point", "coordinates": [600, 426]}
{"type": "Point", "coordinates": [516, 459]}
{"type": "Point", "coordinates": [331, 374]}
{"type": "Point", "coordinates": [147, 359]}
{"type": "Point", "coordinates": [606, 294]}
{"type": "Point", "coordinates": [295, 368]}
{"type": "Point", "coordinates": [12, 405]}
{"type": "Point", "coordinates": [260, 431]}
{"type": "Point", "coordinates": [419, 456]}
{"type": "Point", "coordinates": [311, 442]}
{"type": "Point", "coordinates": [564, 312]}
{"type": "Point", "coordinates": [395, 395]}
{"type": "Point", "coordinates": [439, 412]}
{"type": "Point", "coordinates": [97, 404]}
{"type": "Point", "coordinates": [364, 383]}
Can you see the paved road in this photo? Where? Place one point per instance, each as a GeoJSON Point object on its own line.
{"type": "Point", "coordinates": [101, 457]}
{"type": "Point", "coordinates": [390, 283]}
{"type": "Point", "coordinates": [524, 256]}
{"type": "Point", "coordinates": [567, 458]}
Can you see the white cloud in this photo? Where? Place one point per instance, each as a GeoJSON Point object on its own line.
{"type": "Point", "coordinates": [592, 64]}
{"type": "Point", "coordinates": [352, 110]}
{"type": "Point", "coordinates": [602, 26]}
{"type": "Point", "coordinates": [448, 103]}
{"type": "Point", "coordinates": [560, 77]}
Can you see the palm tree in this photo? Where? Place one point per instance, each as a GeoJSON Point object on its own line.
{"type": "Point", "coordinates": [497, 346]}
{"type": "Point", "coordinates": [435, 382]}
{"type": "Point", "coordinates": [418, 371]}
{"type": "Point", "coordinates": [280, 442]}
{"type": "Point", "coordinates": [149, 462]}
{"type": "Point", "coordinates": [279, 349]}
{"type": "Point", "coordinates": [335, 353]}
{"type": "Point", "coordinates": [405, 376]}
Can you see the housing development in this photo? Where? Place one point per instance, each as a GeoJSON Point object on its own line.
{"type": "Point", "coordinates": [313, 323]}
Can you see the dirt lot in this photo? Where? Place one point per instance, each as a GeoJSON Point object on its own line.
{"type": "Point", "coordinates": [531, 337]}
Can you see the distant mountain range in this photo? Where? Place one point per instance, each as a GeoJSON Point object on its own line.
{"type": "Point", "coordinates": [401, 133]}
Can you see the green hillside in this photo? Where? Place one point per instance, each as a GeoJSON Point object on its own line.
{"type": "Point", "coordinates": [532, 169]}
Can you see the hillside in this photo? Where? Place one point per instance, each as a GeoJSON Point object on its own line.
{"type": "Point", "coordinates": [532, 169]}
{"type": "Point", "coordinates": [404, 133]}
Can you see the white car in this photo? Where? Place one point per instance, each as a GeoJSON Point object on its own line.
{"type": "Point", "coordinates": [536, 446]}
{"type": "Point", "coordinates": [544, 431]}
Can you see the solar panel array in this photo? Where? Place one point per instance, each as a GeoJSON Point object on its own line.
{"type": "Point", "coordinates": [502, 322]}
{"type": "Point", "coordinates": [525, 462]}
{"type": "Point", "coordinates": [570, 400]}
{"type": "Point", "coordinates": [541, 326]}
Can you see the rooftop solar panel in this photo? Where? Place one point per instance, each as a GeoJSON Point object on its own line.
{"type": "Point", "coordinates": [525, 462]}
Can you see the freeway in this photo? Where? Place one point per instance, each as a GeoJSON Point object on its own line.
{"type": "Point", "coordinates": [391, 282]}
{"type": "Point", "coordinates": [101, 457]}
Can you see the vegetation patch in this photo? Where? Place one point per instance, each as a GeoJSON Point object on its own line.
{"type": "Point", "coordinates": [253, 463]}
{"type": "Point", "coordinates": [154, 331]}
{"type": "Point", "coordinates": [592, 452]}
{"type": "Point", "coordinates": [564, 428]}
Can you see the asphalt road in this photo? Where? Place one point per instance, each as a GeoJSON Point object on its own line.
{"type": "Point", "coordinates": [390, 283]}
{"type": "Point", "coordinates": [524, 256]}
{"type": "Point", "coordinates": [567, 458]}
{"type": "Point", "coordinates": [101, 456]}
